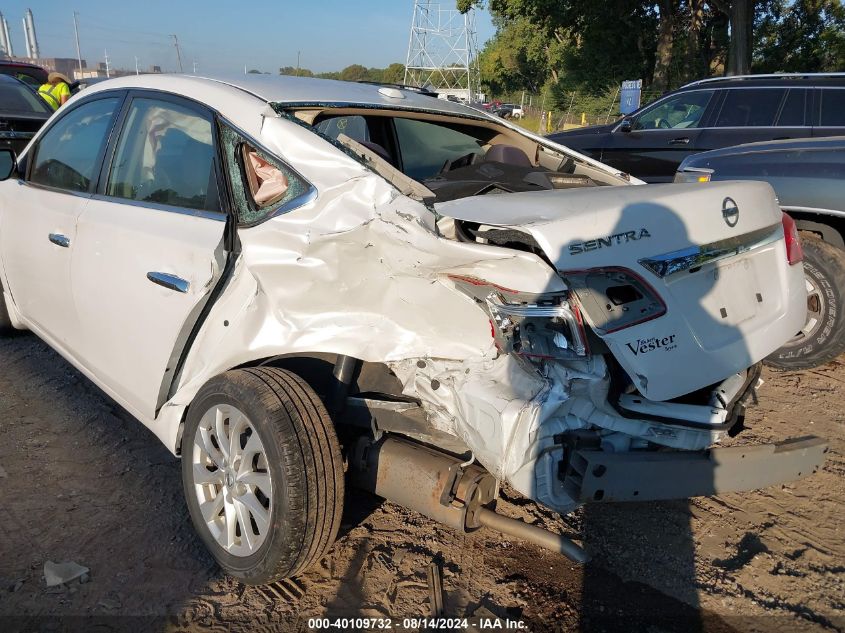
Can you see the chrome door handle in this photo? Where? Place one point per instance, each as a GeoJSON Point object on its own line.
{"type": "Point", "coordinates": [171, 282]}
{"type": "Point", "coordinates": [679, 141]}
{"type": "Point", "coordinates": [59, 240]}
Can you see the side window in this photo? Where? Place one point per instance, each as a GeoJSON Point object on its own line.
{"type": "Point", "coordinates": [31, 80]}
{"type": "Point", "coordinates": [355, 127]}
{"type": "Point", "coordinates": [792, 112]}
{"type": "Point", "coordinates": [17, 98]}
{"type": "Point", "coordinates": [750, 107]}
{"type": "Point", "coordinates": [261, 183]}
{"type": "Point", "coordinates": [427, 146]}
{"type": "Point", "coordinates": [679, 112]}
{"type": "Point", "coordinates": [165, 155]}
{"type": "Point", "coordinates": [66, 157]}
{"type": "Point", "coordinates": [833, 108]}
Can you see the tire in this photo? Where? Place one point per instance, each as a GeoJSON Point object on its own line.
{"type": "Point", "coordinates": [6, 328]}
{"type": "Point", "coordinates": [301, 494]}
{"type": "Point", "coordinates": [823, 336]}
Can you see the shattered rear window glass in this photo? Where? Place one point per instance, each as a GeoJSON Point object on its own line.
{"type": "Point", "coordinates": [355, 127]}
{"type": "Point", "coordinates": [261, 183]}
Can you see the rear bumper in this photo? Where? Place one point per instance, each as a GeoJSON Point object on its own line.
{"type": "Point", "coordinates": [599, 476]}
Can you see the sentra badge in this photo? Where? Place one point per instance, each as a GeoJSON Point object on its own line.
{"type": "Point", "coordinates": [607, 242]}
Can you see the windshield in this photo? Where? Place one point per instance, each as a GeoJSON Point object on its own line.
{"type": "Point", "coordinates": [15, 97]}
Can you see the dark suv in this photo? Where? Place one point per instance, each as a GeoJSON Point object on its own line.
{"type": "Point", "coordinates": [711, 114]}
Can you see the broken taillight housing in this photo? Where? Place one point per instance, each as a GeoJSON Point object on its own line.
{"type": "Point", "coordinates": [794, 251]}
{"type": "Point", "coordinates": [614, 298]}
{"type": "Point", "coordinates": [537, 325]}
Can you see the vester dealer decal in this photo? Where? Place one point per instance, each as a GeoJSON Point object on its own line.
{"type": "Point", "coordinates": [646, 345]}
{"type": "Point", "coordinates": [606, 242]}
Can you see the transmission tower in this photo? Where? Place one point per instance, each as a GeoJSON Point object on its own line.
{"type": "Point", "coordinates": [443, 50]}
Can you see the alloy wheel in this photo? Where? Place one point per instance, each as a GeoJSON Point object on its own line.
{"type": "Point", "coordinates": [231, 480]}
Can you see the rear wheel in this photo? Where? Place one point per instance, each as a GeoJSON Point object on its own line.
{"type": "Point", "coordinates": [822, 338]}
{"type": "Point", "coordinates": [262, 473]}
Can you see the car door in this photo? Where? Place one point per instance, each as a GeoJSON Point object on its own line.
{"type": "Point", "coordinates": [829, 112]}
{"type": "Point", "coordinates": [39, 215]}
{"type": "Point", "coordinates": [751, 115]}
{"type": "Point", "coordinates": [150, 247]}
{"type": "Point", "coordinates": [660, 136]}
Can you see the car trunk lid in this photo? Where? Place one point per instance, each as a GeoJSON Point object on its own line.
{"type": "Point", "coordinates": [712, 256]}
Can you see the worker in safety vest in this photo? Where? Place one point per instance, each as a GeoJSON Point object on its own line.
{"type": "Point", "coordinates": [56, 91]}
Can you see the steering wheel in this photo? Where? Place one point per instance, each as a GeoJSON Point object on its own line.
{"type": "Point", "coordinates": [663, 124]}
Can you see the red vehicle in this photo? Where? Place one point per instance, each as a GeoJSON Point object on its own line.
{"type": "Point", "coordinates": [28, 73]}
{"type": "Point", "coordinates": [22, 113]}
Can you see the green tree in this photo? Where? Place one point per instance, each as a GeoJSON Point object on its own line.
{"type": "Point", "coordinates": [591, 46]}
{"type": "Point", "coordinates": [518, 57]}
{"type": "Point", "coordinates": [355, 72]}
{"type": "Point", "coordinates": [579, 42]}
{"type": "Point", "coordinates": [374, 74]}
{"type": "Point", "coordinates": [741, 16]}
{"type": "Point", "coordinates": [394, 74]}
{"type": "Point", "coordinates": [293, 71]}
{"type": "Point", "coordinates": [804, 36]}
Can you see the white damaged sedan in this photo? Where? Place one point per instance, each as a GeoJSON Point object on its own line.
{"type": "Point", "coordinates": [287, 278]}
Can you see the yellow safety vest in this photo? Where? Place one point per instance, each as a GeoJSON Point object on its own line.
{"type": "Point", "coordinates": [52, 94]}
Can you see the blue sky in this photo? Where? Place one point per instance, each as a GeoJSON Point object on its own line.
{"type": "Point", "coordinates": [224, 36]}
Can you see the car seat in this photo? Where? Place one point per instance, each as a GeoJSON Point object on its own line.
{"type": "Point", "coordinates": [507, 154]}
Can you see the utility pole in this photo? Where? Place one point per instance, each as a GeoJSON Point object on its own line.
{"type": "Point", "coordinates": [178, 52]}
{"type": "Point", "coordinates": [76, 32]}
{"type": "Point", "coordinates": [297, 63]}
{"type": "Point", "coordinates": [106, 54]}
{"type": "Point", "coordinates": [195, 67]}
{"type": "Point", "coordinates": [443, 49]}
{"type": "Point", "coordinates": [136, 65]}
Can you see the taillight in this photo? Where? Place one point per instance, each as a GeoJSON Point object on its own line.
{"type": "Point", "coordinates": [794, 252]}
{"type": "Point", "coordinates": [537, 325]}
{"type": "Point", "coordinates": [614, 298]}
{"type": "Point", "coordinates": [692, 174]}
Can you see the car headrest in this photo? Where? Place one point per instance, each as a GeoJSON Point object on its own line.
{"type": "Point", "coordinates": [508, 154]}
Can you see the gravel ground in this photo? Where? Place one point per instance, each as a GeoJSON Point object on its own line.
{"type": "Point", "coordinates": [83, 482]}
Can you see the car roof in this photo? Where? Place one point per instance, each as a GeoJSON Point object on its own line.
{"type": "Point", "coordinates": [288, 91]}
{"type": "Point", "coordinates": [777, 80]}
{"type": "Point", "coordinates": [8, 62]}
{"type": "Point", "coordinates": [235, 97]}
{"type": "Point", "coordinates": [782, 145]}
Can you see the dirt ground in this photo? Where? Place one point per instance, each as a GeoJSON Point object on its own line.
{"type": "Point", "coordinates": [83, 482]}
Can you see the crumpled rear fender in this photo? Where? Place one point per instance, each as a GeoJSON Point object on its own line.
{"type": "Point", "coordinates": [358, 271]}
